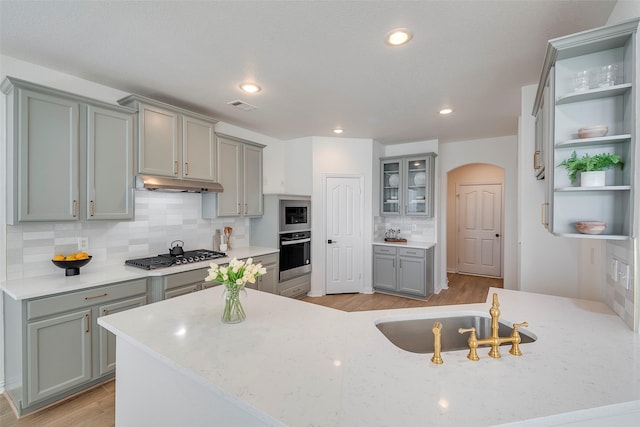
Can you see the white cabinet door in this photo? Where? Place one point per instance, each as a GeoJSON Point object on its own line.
{"type": "Point", "coordinates": [158, 152]}
{"type": "Point", "coordinates": [48, 166]}
{"type": "Point", "coordinates": [109, 164]}
{"type": "Point", "coordinates": [198, 149]}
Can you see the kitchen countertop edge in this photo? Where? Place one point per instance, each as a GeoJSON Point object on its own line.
{"type": "Point", "coordinates": [94, 275]}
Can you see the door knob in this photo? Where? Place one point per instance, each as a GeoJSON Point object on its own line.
{"type": "Point", "coordinates": [331, 241]}
{"type": "Point", "coordinates": [497, 235]}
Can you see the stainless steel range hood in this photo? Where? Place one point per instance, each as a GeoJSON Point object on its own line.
{"type": "Point", "coordinates": [172, 184]}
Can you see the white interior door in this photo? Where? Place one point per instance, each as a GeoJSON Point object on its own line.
{"type": "Point", "coordinates": [479, 229]}
{"type": "Point", "coordinates": [344, 235]}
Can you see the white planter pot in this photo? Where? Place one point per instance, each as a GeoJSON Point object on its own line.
{"type": "Point", "coordinates": [592, 179]}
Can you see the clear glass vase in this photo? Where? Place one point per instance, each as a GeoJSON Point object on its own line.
{"type": "Point", "coordinates": [233, 311]}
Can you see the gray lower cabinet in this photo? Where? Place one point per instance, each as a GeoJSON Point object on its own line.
{"type": "Point", "coordinates": [297, 287]}
{"type": "Point", "coordinates": [269, 281]}
{"type": "Point", "coordinates": [404, 271]}
{"type": "Point", "coordinates": [54, 347]}
{"type": "Point", "coordinates": [106, 356]}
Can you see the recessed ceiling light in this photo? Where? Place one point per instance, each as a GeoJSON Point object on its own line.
{"type": "Point", "coordinates": [398, 37]}
{"type": "Point", "coordinates": [337, 130]}
{"type": "Point", "coordinates": [250, 87]}
{"type": "Point", "coordinates": [446, 111]}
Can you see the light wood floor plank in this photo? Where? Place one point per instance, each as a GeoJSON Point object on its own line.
{"type": "Point", "coordinates": [96, 407]}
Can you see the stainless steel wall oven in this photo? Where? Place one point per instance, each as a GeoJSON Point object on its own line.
{"type": "Point", "coordinates": [295, 254]}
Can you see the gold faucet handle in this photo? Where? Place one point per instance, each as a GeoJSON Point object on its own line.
{"type": "Point", "coordinates": [515, 339]}
{"type": "Point", "coordinates": [473, 343]}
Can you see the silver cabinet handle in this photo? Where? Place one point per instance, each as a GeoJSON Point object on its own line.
{"type": "Point", "coordinates": [186, 168]}
{"type": "Point", "coordinates": [87, 320]}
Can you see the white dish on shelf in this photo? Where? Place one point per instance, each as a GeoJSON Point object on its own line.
{"type": "Point", "coordinates": [394, 180]}
{"type": "Point", "coordinates": [591, 227]}
{"type": "Point", "coordinates": [419, 197]}
{"type": "Point", "coordinates": [593, 131]}
{"type": "Point", "coordinates": [420, 178]}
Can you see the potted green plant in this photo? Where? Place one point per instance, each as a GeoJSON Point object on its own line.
{"type": "Point", "coordinates": [591, 168]}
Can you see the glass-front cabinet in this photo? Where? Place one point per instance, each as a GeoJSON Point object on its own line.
{"type": "Point", "coordinates": [407, 185]}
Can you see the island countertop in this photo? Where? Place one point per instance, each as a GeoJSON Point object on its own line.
{"type": "Point", "coordinates": [298, 364]}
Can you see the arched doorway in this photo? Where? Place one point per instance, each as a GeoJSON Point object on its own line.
{"type": "Point", "coordinates": [475, 214]}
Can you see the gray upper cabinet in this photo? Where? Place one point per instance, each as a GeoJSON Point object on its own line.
{"type": "Point", "coordinates": [198, 149]}
{"type": "Point", "coordinates": [407, 185]}
{"type": "Point", "coordinates": [158, 147]}
{"type": "Point", "coordinates": [240, 173]}
{"type": "Point", "coordinates": [173, 142]}
{"type": "Point", "coordinates": [590, 79]}
{"type": "Point", "coordinates": [46, 157]}
{"type": "Point", "coordinates": [109, 164]}
{"type": "Point", "coordinates": [54, 141]}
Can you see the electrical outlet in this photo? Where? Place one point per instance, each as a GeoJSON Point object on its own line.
{"type": "Point", "coordinates": [83, 243]}
{"type": "Point", "coordinates": [414, 227]}
{"type": "Point", "coordinates": [623, 274]}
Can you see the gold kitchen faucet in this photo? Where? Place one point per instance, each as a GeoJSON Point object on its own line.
{"type": "Point", "coordinates": [494, 340]}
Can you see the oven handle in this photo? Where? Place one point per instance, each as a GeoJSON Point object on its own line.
{"type": "Point", "coordinates": [294, 242]}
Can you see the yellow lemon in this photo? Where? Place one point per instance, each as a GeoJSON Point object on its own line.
{"type": "Point", "coordinates": [82, 255]}
{"type": "Point", "coordinates": [58, 257]}
{"type": "Point", "coordinates": [71, 257]}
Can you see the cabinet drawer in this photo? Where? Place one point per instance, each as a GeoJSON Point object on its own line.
{"type": "Point", "coordinates": [387, 250]}
{"type": "Point", "coordinates": [186, 278]}
{"type": "Point", "coordinates": [297, 287]}
{"type": "Point", "coordinates": [418, 253]}
{"type": "Point", "coordinates": [176, 292]}
{"type": "Point", "coordinates": [61, 303]}
{"type": "Point", "coordinates": [266, 259]}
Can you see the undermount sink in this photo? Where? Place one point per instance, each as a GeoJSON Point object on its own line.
{"type": "Point", "coordinates": [415, 335]}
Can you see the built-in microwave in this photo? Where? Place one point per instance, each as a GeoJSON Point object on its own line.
{"type": "Point", "coordinates": [295, 215]}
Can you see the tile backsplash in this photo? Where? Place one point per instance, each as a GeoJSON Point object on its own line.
{"type": "Point", "coordinates": [416, 229]}
{"type": "Point", "coordinates": [618, 298]}
{"type": "Point", "coordinates": [160, 218]}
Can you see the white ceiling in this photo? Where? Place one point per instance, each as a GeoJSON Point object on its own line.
{"type": "Point", "coordinates": [322, 64]}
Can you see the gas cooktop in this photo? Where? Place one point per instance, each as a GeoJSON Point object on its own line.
{"type": "Point", "coordinates": [167, 260]}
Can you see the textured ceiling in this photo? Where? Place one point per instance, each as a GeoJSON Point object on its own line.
{"type": "Point", "coordinates": [322, 64]}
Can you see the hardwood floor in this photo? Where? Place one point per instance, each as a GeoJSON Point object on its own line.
{"type": "Point", "coordinates": [93, 408]}
{"type": "Point", "coordinates": [463, 289]}
{"type": "Point", "coordinates": [96, 407]}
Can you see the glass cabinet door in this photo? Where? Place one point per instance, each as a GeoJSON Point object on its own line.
{"type": "Point", "coordinates": [416, 180]}
{"type": "Point", "coordinates": [391, 186]}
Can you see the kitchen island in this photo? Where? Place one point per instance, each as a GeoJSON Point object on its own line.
{"type": "Point", "coordinates": [295, 363]}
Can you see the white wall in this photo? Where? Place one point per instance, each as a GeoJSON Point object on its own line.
{"type": "Point", "coordinates": [348, 157]}
{"type": "Point", "coordinates": [548, 264]}
{"type": "Point", "coordinates": [501, 152]}
{"type": "Point", "coordinates": [298, 166]}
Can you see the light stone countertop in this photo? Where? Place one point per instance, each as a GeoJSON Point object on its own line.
{"type": "Point", "coordinates": [94, 274]}
{"type": "Point", "coordinates": [303, 364]}
{"type": "Point", "coordinates": [408, 244]}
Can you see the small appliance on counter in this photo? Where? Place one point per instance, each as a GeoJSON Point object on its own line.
{"type": "Point", "coordinates": [174, 258]}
